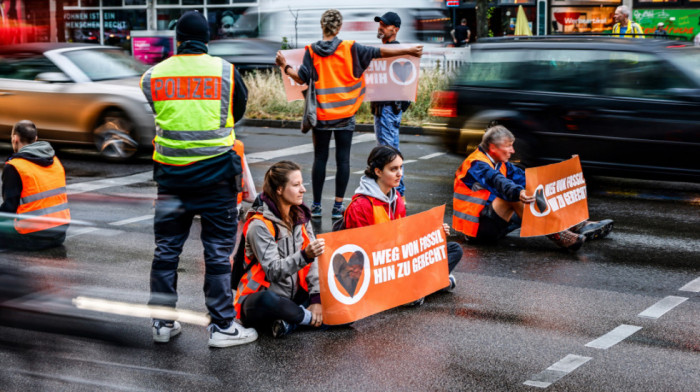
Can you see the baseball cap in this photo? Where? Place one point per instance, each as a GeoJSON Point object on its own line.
{"type": "Point", "coordinates": [660, 24]}
{"type": "Point", "coordinates": [390, 18]}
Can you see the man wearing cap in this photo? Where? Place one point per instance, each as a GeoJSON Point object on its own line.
{"type": "Point", "coordinates": [461, 34]}
{"type": "Point", "coordinates": [196, 99]}
{"type": "Point", "coordinates": [387, 114]}
{"type": "Point", "coordinates": [660, 32]}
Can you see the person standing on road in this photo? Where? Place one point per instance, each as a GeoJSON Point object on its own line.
{"type": "Point", "coordinates": [387, 114]}
{"type": "Point", "coordinates": [279, 289]}
{"type": "Point", "coordinates": [624, 27]}
{"type": "Point", "coordinates": [338, 68]}
{"type": "Point", "coordinates": [196, 99]}
{"type": "Point", "coordinates": [377, 201]}
{"type": "Point", "coordinates": [489, 196]}
{"type": "Point", "coordinates": [34, 214]}
{"type": "Point", "coordinates": [461, 34]}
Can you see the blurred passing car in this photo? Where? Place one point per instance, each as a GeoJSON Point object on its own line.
{"type": "Point", "coordinates": [246, 54]}
{"type": "Point", "coordinates": [76, 93]}
{"type": "Point", "coordinates": [627, 107]}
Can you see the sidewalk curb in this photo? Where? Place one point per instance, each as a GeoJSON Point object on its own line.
{"type": "Point", "coordinates": [250, 122]}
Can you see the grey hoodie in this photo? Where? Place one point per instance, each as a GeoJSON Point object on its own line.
{"type": "Point", "coordinates": [369, 187]}
{"type": "Point", "coordinates": [281, 260]}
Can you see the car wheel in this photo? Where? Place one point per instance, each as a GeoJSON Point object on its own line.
{"type": "Point", "coordinates": [113, 136]}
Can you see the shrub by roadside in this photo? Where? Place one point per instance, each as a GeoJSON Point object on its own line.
{"type": "Point", "coordinates": [267, 100]}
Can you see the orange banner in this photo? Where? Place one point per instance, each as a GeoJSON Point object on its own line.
{"type": "Point", "coordinates": [371, 269]}
{"type": "Point", "coordinates": [387, 79]}
{"type": "Point", "coordinates": [561, 195]}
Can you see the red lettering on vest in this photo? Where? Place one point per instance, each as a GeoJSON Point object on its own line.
{"type": "Point", "coordinates": [186, 88]}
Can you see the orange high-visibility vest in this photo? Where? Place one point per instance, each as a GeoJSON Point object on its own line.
{"type": "Point", "coordinates": [378, 211]}
{"type": "Point", "coordinates": [254, 279]}
{"type": "Point", "coordinates": [239, 149]}
{"type": "Point", "coordinates": [43, 202]}
{"type": "Point", "coordinates": [339, 93]}
{"type": "Point", "coordinates": [467, 203]}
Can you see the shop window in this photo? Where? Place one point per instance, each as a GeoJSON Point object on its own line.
{"type": "Point", "coordinates": [223, 22]}
{"type": "Point", "coordinates": [70, 3]}
{"type": "Point", "coordinates": [167, 17]}
{"type": "Point", "coordinates": [134, 2]}
{"type": "Point", "coordinates": [217, 1]}
{"type": "Point", "coordinates": [111, 3]}
{"type": "Point", "coordinates": [192, 2]}
{"type": "Point", "coordinates": [25, 68]}
{"type": "Point", "coordinates": [167, 2]}
{"type": "Point", "coordinates": [82, 26]}
{"type": "Point", "coordinates": [89, 3]}
{"type": "Point", "coordinates": [572, 20]}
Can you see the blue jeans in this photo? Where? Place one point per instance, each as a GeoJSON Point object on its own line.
{"type": "Point", "coordinates": [386, 129]}
{"type": "Point", "coordinates": [173, 218]}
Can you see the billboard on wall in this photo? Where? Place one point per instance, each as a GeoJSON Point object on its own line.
{"type": "Point", "coordinates": [152, 47]}
{"type": "Point", "coordinates": [676, 22]}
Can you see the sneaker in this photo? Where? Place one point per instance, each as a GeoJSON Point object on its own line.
{"type": "Point", "coordinates": [281, 328]}
{"type": "Point", "coordinates": [567, 239]}
{"type": "Point", "coordinates": [337, 212]}
{"type": "Point", "coordinates": [232, 336]}
{"type": "Point", "coordinates": [453, 284]}
{"type": "Point", "coordinates": [164, 330]}
{"type": "Point", "coordinates": [594, 230]}
{"type": "Point", "coordinates": [416, 303]}
{"type": "Point", "coordinates": [316, 211]}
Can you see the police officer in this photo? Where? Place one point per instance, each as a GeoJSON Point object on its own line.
{"type": "Point", "coordinates": [196, 99]}
{"type": "Point", "coordinates": [387, 114]}
{"type": "Point", "coordinates": [34, 211]}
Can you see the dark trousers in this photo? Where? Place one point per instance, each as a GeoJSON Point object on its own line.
{"type": "Point", "coordinates": [322, 141]}
{"type": "Point", "coordinates": [174, 213]}
{"type": "Point", "coordinates": [259, 310]}
{"type": "Point", "coordinates": [11, 239]}
{"type": "Point", "coordinates": [454, 255]}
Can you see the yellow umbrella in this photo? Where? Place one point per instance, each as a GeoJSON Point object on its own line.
{"type": "Point", "coordinates": [521, 24]}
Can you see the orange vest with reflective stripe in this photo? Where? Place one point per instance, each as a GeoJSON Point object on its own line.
{"type": "Point", "coordinates": [378, 211]}
{"type": "Point", "coordinates": [43, 202]}
{"type": "Point", "coordinates": [254, 278]}
{"type": "Point", "coordinates": [467, 203]}
{"type": "Point", "coordinates": [239, 149]}
{"type": "Point", "coordinates": [339, 93]}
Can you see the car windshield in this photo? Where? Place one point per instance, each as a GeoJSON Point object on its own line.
{"type": "Point", "coordinates": [105, 64]}
{"type": "Point", "coordinates": [689, 60]}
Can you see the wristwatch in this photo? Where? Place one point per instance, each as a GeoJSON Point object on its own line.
{"type": "Point", "coordinates": [285, 69]}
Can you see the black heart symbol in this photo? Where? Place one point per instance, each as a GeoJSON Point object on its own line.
{"type": "Point", "coordinates": [540, 201]}
{"type": "Point", "coordinates": [402, 70]}
{"type": "Point", "coordinates": [342, 270]}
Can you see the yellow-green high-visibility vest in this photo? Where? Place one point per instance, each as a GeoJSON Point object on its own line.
{"type": "Point", "coordinates": [191, 96]}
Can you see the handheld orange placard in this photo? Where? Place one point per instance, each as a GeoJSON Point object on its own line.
{"type": "Point", "coordinates": [370, 269]}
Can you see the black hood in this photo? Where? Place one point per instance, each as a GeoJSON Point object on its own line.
{"type": "Point", "coordinates": [326, 48]}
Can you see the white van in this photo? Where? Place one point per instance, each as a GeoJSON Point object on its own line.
{"type": "Point", "coordinates": [424, 21]}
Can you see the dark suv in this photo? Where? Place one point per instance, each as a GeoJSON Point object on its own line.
{"type": "Point", "coordinates": [627, 107]}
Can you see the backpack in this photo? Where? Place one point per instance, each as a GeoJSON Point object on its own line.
{"type": "Point", "coordinates": [339, 224]}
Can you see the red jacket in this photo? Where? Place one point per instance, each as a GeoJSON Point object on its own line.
{"type": "Point", "coordinates": [360, 211]}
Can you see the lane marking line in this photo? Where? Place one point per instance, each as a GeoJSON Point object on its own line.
{"type": "Point", "coordinates": [693, 286]}
{"type": "Point", "coordinates": [89, 186]}
{"type": "Point", "coordinates": [300, 149]}
{"type": "Point", "coordinates": [555, 372]}
{"type": "Point", "coordinates": [614, 337]}
{"type": "Point", "coordinates": [132, 220]}
{"type": "Point", "coordinates": [433, 155]}
{"type": "Point", "coordinates": [660, 308]}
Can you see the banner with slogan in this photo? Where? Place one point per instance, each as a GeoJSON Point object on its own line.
{"type": "Point", "coordinates": [562, 201]}
{"type": "Point", "coordinates": [370, 269]}
{"type": "Point", "coordinates": [386, 79]}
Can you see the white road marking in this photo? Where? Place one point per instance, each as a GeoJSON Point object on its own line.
{"type": "Point", "coordinates": [433, 155]}
{"type": "Point", "coordinates": [660, 308]}
{"type": "Point", "coordinates": [693, 286]}
{"type": "Point", "coordinates": [132, 220]}
{"type": "Point", "coordinates": [89, 186]}
{"type": "Point", "coordinates": [300, 149]}
{"type": "Point", "coordinates": [560, 369]}
{"type": "Point", "coordinates": [614, 337]}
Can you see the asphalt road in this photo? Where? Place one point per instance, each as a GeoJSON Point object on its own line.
{"type": "Point", "coordinates": [620, 314]}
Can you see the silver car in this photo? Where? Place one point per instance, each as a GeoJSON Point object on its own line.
{"type": "Point", "coordinates": [76, 93]}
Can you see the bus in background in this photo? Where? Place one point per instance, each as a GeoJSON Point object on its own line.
{"type": "Point", "coordinates": [424, 21]}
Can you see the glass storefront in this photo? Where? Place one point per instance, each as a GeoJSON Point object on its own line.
{"type": "Point", "coordinates": [581, 17]}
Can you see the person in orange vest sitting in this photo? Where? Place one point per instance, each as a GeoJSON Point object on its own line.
{"type": "Point", "coordinates": [489, 196]}
{"type": "Point", "coordinates": [279, 289]}
{"type": "Point", "coordinates": [35, 213]}
{"type": "Point", "coordinates": [337, 68]}
{"type": "Point", "coordinates": [376, 201]}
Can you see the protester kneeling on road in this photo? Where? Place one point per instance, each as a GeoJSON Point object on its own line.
{"type": "Point", "coordinates": [376, 200]}
{"type": "Point", "coordinates": [489, 196]}
{"type": "Point", "coordinates": [34, 214]}
{"type": "Point", "coordinates": [279, 289]}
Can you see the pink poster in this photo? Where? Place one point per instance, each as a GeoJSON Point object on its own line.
{"type": "Point", "coordinates": [152, 50]}
{"type": "Point", "coordinates": [386, 79]}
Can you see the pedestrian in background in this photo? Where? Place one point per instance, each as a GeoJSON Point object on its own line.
{"type": "Point", "coordinates": [338, 68]}
{"type": "Point", "coordinates": [196, 99]}
{"type": "Point", "coordinates": [461, 34]}
{"type": "Point", "coordinates": [660, 32]}
{"type": "Point", "coordinates": [387, 114]}
{"type": "Point", "coordinates": [377, 201]}
{"type": "Point", "coordinates": [624, 27]}
{"type": "Point", "coordinates": [34, 214]}
{"type": "Point", "coordinates": [489, 196]}
{"type": "Point", "coordinates": [279, 289]}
